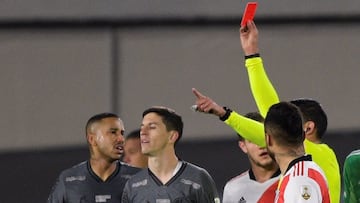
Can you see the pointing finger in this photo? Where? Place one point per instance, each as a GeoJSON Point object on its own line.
{"type": "Point", "coordinates": [197, 93]}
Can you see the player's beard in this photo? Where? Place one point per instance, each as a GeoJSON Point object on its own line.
{"type": "Point", "coordinates": [271, 154]}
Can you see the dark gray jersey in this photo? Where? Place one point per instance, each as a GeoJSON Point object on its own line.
{"type": "Point", "coordinates": [190, 184]}
{"type": "Point", "coordinates": [80, 184]}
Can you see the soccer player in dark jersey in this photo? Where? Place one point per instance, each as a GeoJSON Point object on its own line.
{"type": "Point", "coordinates": [101, 178]}
{"type": "Point", "coordinates": [168, 179]}
{"type": "Point", "coordinates": [132, 150]}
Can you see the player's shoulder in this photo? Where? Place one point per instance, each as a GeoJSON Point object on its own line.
{"type": "Point", "coordinates": [305, 172]}
{"type": "Point", "coordinates": [354, 154]}
{"type": "Point", "coordinates": [194, 170]}
{"type": "Point", "coordinates": [301, 168]}
{"type": "Point", "coordinates": [126, 168]}
{"type": "Point", "coordinates": [193, 167]}
{"type": "Point", "coordinates": [321, 148]}
{"type": "Point", "coordinates": [76, 172]}
{"type": "Point", "coordinates": [139, 175]}
{"type": "Point", "coordinates": [78, 168]}
{"type": "Point", "coordinates": [239, 178]}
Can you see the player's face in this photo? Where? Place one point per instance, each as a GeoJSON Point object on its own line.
{"type": "Point", "coordinates": [109, 138]}
{"type": "Point", "coordinates": [154, 135]}
{"type": "Point", "coordinates": [258, 156]}
{"type": "Point", "coordinates": [133, 155]}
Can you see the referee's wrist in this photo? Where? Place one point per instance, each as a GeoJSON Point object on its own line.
{"type": "Point", "coordinates": [226, 115]}
{"type": "Point", "coordinates": [252, 56]}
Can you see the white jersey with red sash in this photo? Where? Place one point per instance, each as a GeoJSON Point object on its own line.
{"type": "Point", "coordinates": [244, 188]}
{"type": "Point", "coordinates": [304, 181]}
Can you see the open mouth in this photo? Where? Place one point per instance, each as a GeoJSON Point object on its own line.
{"type": "Point", "coordinates": [119, 149]}
{"type": "Point", "coordinates": [264, 154]}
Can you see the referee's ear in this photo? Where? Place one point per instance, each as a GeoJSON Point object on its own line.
{"type": "Point", "coordinates": [309, 127]}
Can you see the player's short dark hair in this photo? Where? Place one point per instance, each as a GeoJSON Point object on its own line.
{"type": "Point", "coordinates": [256, 116]}
{"type": "Point", "coordinates": [170, 118]}
{"type": "Point", "coordinates": [284, 123]}
{"type": "Point", "coordinates": [98, 117]}
{"type": "Point", "coordinates": [312, 111]}
{"type": "Point", "coordinates": [135, 134]}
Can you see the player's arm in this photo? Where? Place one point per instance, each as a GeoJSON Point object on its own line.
{"type": "Point", "coordinates": [351, 178]}
{"type": "Point", "coordinates": [57, 194]}
{"type": "Point", "coordinates": [249, 129]}
{"type": "Point", "coordinates": [125, 195]}
{"type": "Point", "coordinates": [261, 87]}
{"type": "Point", "coordinates": [209, 192]}
{"type": "Point", "coordinates": [226, 193]}
{"type": "Point", "coordinates": [348, 185]}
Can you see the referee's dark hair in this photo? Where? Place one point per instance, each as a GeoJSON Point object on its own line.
{"type": "Point", "coordinates": [312, 111]}
{"type": "Point", "coordinates": [97, 118]}
{"type": "Point", "coordinates": [170, 118]}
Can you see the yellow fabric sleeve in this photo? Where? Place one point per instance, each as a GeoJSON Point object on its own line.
{"type": "Point", "coordinates": [261, 87]}
{"type": "Point", "coordinates": [325, 157]}
{"type": "Point", "coordinates": [249, 129]}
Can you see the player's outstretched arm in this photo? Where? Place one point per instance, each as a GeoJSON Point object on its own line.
{"type": "Point", "coordinates": [261, 87]}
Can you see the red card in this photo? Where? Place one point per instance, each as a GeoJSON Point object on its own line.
{"type": "Point", "coordinates": [249, 13]}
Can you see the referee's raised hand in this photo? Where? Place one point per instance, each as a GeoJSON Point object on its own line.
{"type": "Point", "coordinates": [207, 105]}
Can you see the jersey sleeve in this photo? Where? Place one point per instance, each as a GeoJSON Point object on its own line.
{"type": "Point", "coordinates": [227, 193]}
{"type": "Point", "coordinates": [125, 195]}
{"type": "Point", "coordinates": [351, 178]}
{"type": "Point", "coordinates": [249, 129]}
{"type": "Point", "coordinates": [209, 192]}
{"type": "Point", "coordinates": [261, 87]}
{"type": "Point", "coordinates": [325, 157]}
{"type": "Point", "coordinates": [57, 194]}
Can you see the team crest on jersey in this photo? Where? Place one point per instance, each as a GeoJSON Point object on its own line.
{"type": "Point", "coordinates": [305, 192]}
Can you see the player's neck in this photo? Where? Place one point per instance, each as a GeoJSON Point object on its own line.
{"type": "Point", "coordinates": [285, 157]}
{"type": "Point", "coordinates": [263, 174]}
{"type": "Point", "coordinates": [102, 168]}
{"type": "Point", "coordinates": [313, 138]}
{"type": "Point", "coordinates": [163, 168]}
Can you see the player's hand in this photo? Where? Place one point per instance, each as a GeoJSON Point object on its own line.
{"type": "Point", "coordinates": [207, 105]}
{"type": "Point", "coordinates": [249, 38]}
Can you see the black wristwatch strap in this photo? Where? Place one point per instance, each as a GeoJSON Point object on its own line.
{"type": "Point", "coordinates": [226, 115]}
{"type": "Point", "coordinates": [252, 56]}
